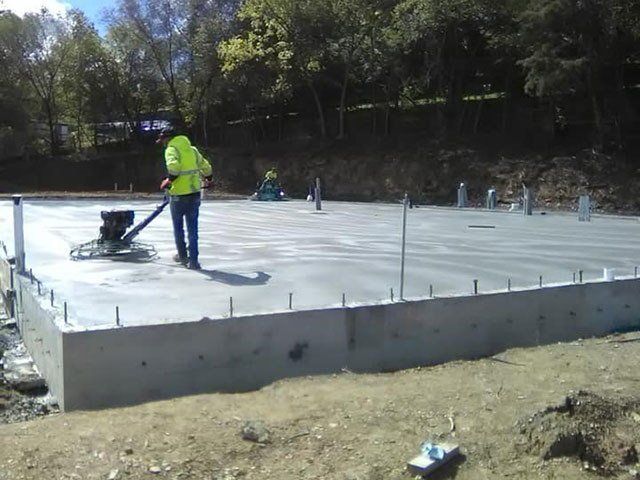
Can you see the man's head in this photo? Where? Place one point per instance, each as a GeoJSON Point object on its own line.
{"type": "Point", "coordinates": [165, 135]}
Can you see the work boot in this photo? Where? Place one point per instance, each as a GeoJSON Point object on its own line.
{"type": "Point", "coordinates": [194, 266]}
{"type": "Point", "coordinates": [179, 259]}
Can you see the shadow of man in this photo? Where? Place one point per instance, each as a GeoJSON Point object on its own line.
{"type": "Point", "coordinates": [235, 279]}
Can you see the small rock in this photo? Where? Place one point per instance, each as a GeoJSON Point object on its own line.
{"type": "Point", "coordinates": [128, 451]}
{"type": "Point", "coordinates": [113, 474]}
{"type": "Point", "coordinates": [155, 469]}
{"type": "Point", "coordinates": [255, 431]}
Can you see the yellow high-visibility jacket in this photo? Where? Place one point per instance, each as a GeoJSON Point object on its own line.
{"type": "Point", "coordinates": [187, 164]}
{"type": "Point", "coordinates": [271, 175]}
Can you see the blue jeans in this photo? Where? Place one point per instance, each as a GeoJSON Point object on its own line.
{"type": "Point", "coordinates": [186, 207]}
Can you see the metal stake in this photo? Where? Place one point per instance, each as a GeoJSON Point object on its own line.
{"type": "Point", "coordinates": [31, 275]}
{"type": "Point", "coordinates": [430, 291]}
{"type": "Point", "coordinates": [39, 288]}
{"type": "Point", "coordinates": [231, 307]}
{"type": "Point", "coordinates": [344, 300]}
{"type": "Point", "coordinates": [580, 273]}
{"type": "Point", "coordinates": [66, 320]}
{"type": "Point", "coordinates": [475, 287]}
{"type": "Point", "coordinates": [540, 281]}
{"type": "Point", "coordinates": [574, 277]}
{"type": "Point", "coordinates": [52, 297]}
{"type": "Point", "coordinates": [391, 293]}
{"type": "Point", "coordinates": [508, 284]}
{"type": "Point", "coordinates": [635, 272]}
{"type": "Point", "coordinates": [290, 301]}
{"type": "Point", "coordinates": [117, 315]}
{"type": "Point", "coordinates": [405, 204]}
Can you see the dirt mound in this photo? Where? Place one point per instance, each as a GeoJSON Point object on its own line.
{"type": "Point", "coordinates": [603, 433]}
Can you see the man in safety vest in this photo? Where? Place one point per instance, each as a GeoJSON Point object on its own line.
{"type": "Point", "coordinates": [269, 179]}
{"type": "Point", "coordinates": [186, 169]}
{"type": "Point", "coordinates": [271, 175]}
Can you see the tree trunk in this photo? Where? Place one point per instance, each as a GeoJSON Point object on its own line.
{"type": "Point", "coordinates": [506, 102]}
{"type": "Point", "coordinates": [263, 131]}
{"type": "Point", "coordinates": [597, 113]}
{"type": "Point", "coordinates": [205, 114]}
{"type": "Point", "coordinates": [621, 114]}
{"type": "Point", "coordinates": [280, 122]}
{"type": "Point", "coordinates": [374, 110]}
{"type": "Point", "coordinates": [476, 122]}
{"type": "Point", "coordinates": [321, 121]}
{"type": "Point", "coordinates": [387, 110]}
{"type": "Point", "coordinates": [51, 125]}
{"type": "Point", "coordinates": [95, 136]}
{"type": "Point", "coordinates": [177, 104]}
{"type": "Point", "coordinates": [343, 98]}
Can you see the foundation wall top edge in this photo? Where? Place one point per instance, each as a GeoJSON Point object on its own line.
{"type": "Point", "coordinates": [75, 330]}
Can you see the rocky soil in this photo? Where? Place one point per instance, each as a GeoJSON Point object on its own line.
{"type": "Point", "coordinates": [375, 170]}
{"type": "Point", "coordinates": [430, 171]}
{"type": "Point", "coordinates": [19, 400]}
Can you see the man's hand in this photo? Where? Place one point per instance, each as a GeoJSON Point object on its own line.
{"type": "Point", "coordinates": [207, 183]}
{"type": "Point", "coordinates": [166, 183]}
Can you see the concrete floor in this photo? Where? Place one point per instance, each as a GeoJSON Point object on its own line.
{"type": "Point", "coordinates": [259, 252]}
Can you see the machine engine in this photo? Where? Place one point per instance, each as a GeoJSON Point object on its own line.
{"type": "Point", "coordinates": [115, 224]}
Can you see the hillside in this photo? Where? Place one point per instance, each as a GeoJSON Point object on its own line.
{"type": "Point", "coordinates": [374, 170]}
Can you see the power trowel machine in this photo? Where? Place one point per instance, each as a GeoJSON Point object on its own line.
{"type": "Point", "coordinates": [114, 241]}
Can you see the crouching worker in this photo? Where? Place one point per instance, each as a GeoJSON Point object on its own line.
{"type": "Point", "coordinates": [270, 179]}
{"type": "Point", "coordinates": [187, 173]}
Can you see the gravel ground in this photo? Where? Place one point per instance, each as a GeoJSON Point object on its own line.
{"type": "Point", "coordinates": [16, 406]}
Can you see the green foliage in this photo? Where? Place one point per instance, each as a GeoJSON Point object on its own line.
{"type": "Point", "coordinates": [35, 45]}
{"type": "Point", "coordinates": [247, 59]}
{"type": "Point", "coordinates": [567, 41]}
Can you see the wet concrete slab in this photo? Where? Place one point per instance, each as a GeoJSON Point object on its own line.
{"type": "Point", "coordinates": [258, 253]}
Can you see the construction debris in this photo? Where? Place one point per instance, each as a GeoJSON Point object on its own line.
{"type": "Point", "coordinates": [433, 456]}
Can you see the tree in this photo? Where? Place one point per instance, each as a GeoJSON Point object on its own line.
{"type": "Point", "coordinates": [36, 43]}
{"type": "Point", "coordinates": [181, 37]}
{"type": "Point", "coordinates": [132, 83]}
{"type": "Point", "coordinates": [576, 46]}
{"type": "Point", "coordinates": [289, 38]}
{"type": "Point", "coordinates": [82, 77]}
{"type": "Point", "coordinates": [355, 26]}
{"type": "Point", "coordinates": [444, 39]}
{"type": "Point", "coordinates": [15, 111]}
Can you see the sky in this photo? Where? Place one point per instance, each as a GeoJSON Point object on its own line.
{"type": "Point", "coordinates": [92, 8]}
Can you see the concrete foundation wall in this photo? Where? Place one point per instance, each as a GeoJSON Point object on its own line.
{"type": "Point", "coordinates": [120, 366]}
{"type": "Point", "coordinates": [5, 284]}
{"type": "Point", "coordinates": [130, 365]}
{"type": "Point", "coordinates": [40, 334]}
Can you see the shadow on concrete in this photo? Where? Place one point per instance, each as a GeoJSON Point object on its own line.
{"type": "Point", "coordinates": [133, 257]}
{"type": "Point", "coordinates": [234, 279]}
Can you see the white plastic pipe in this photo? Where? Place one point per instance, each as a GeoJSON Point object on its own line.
{"type": "Point", "coordinates": [18, 234]}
